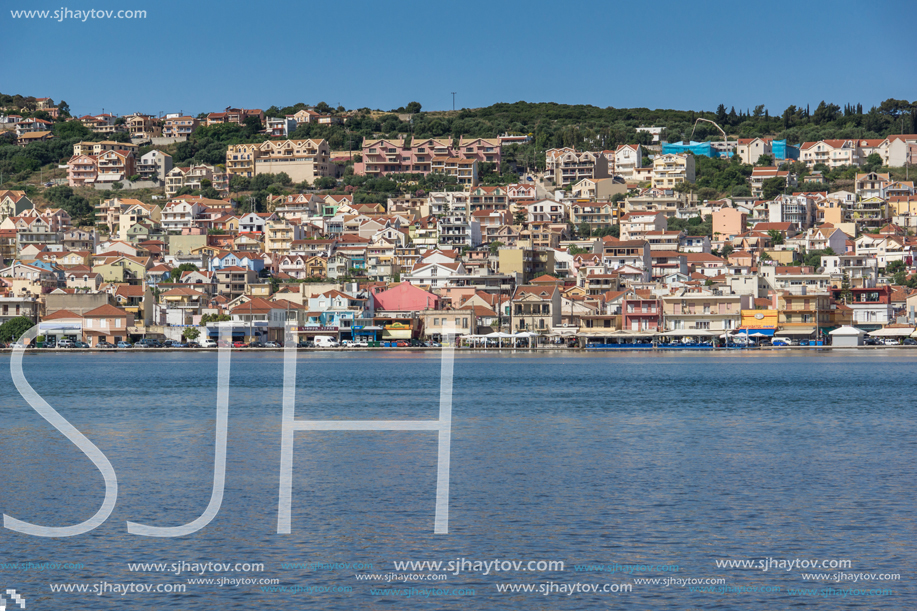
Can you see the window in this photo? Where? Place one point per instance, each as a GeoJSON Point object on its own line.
{"type": "Point", "coordinates": [435, 322]}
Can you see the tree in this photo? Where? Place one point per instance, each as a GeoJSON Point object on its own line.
{"type": "Point", "coordinates": [726, 250]}
{"type": "Point", "coordinates": [584, 230]}
{"type": "Point", "coordinates": [519, 218]}
{"type": "Point", "coordinates": [776, 237]}
{"type": "Point", "coordinates": [206, 318]}
{"type": "Point", "coordinates": [772, 187]}
{"type": "Point", "coordinates": [322, 108]}
{"type": "Point", "coordinates": [894, 267]}
{"type": "Point", "coordinates": [176, 273]}
{"type": "Point", "coordinates": [413, 107]}
{"type": "Point", "coordinates": [873, 162]}
{"type": "Point", "coordinates": [191, 333]}
{"type": "Point", "coordinates": [13, 329]}
{"type": "Point", "coordinates": [63, 108]}
{"type": "Point", "coordinates": [765, 160]}
{"type": "Point", "coordinates": [494, 247]}
{"type": "Point", "coordinates": [252, 124]}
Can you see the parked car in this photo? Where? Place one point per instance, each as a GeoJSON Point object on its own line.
{"type": "Point", "coordinates": [273, 345]}
{"type": "Point", "coordinates": [148, 343]}
{"type": "Point", "coordinates": [910, 341]}
{"type": "Point", "coordinates": [239, 344]}
{"type": "Point", "coordinates": [124, 345]}
{"type": "Point", "coordinates": [402, 344]}
{"type": "Point", "coordinates": [889, 341]}
{"type": "Point", "coordinates": [65, 343]}
{"type": "Point", "coordinates": [305, 344]}
{"type": "Point", "coordinates": [178, 345]}
{"type": "Point", "coordinates": [193, 345]}
{"type": "Point", "coordinates": [208, 343]}
{"type": "Point", "coordinates": [359, 343]}
{"type": "Point", "coordinates": [105, 345]}
{"type": "Point", "coordinates": [255, 344]}
{"type": "Point", "coordinates": [81, 345]}
{"type": "Point", "coordinates": [872, 341]}
{"type": "Point", "coordinates": [18, 345]}
{"type": "Point", "coordinates": [2, 345]}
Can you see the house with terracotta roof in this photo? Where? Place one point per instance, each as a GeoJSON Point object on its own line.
{"type": "Point", "coordinates": [871, 184]}
{"type": "Point", "coordinates": [404, 297]}
{"type": "Point", "coordinates": [107, 324]}
{"type": "Point", "coordinates": [536, 309]}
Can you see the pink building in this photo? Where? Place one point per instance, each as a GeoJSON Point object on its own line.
{"type": "Point", "coordinates": [82, 170]}
{"type": "Point", "coordinates": [385, 156]}
{"type": "Point", "coordinates": [404, 298]}
{"type": "Point", "coordinates": [641, 313]}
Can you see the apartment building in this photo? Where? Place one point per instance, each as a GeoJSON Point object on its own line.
{"type": "Point", "coordinates": [192, 177]}
{"type": "Point", "coordinates": [832, 153]}
{"type": "Point", "coordinates": [82, 170]}
{"type": "Point", "coordinates": [115, 166]}
{"type": "Point", "coordinates": [488, 198]}
{"type": "Point", "coordinates": [485, 150]}
{"type": "Point", "coordinates": [458, 232]}
{"type": "Point", "coordinates": [704, 311]}
{"type": "Point", "coordinates": [797, 209]}
{"type": "Point", "coordinates": [279, 235]}
{"type": "Point", "coordinates": [179, 214]}
{"type": "Point", "coordinates": [143, 126]}
{"type": "Point", "coordinates": [566, 166]}
{"type": "Point", "coordinates": [596, 216]}
{"type": "Point", "coordinates": [299, 159]}
{"type": "Point", "coordinates": [632, 253]}
{"type": "Point", "coordinates": [749, 150]}
{"type": "Point", "coordinates": [179, 127]}
{"type": "Point", "coordinates": [598, 189]}
{"type": "Point", "coordinates": [635, 225]}
{"type": "Point", "coordinates": [672, 170]}
{"type": "Point", "coordinates": [624, 160]}
{"type": "Point", "coordinates": [392, 156]}
{"type": "Point", "coordinates": [100, 124]}
{"type": "Point", "coordinates": [545, 211]}
{"type": "Point", "coordinates": [97, 148]}
{"type": "Point", "coordinates": [871, 184]}
{"type": "Point", "coordinates": [154, 165]}
{"type": "Point", "coordinates": [280, 127]}
{"type": "Point", "coordinates": [465, 171]}
{"type": "Point", "coordinates": [760, 174]}
{"type": "Point", "coordinates": [235, 115]}
{"type": "Point", "coordinates": [232, 281]}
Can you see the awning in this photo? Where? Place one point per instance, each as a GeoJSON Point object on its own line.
{"type": "Point", "coordinates": [768, 331]}
{"type": "Point", "coordinates": [795, 331]}
{"type": "Point", "coordinates": [690, 333]}
{"type": "Point", "coordinates": [109, 177]}
{"type": "Point", "coordinates": [893, 332]}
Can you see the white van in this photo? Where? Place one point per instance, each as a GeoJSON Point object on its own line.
{"type": "Point", "coordinates": [325, 341]}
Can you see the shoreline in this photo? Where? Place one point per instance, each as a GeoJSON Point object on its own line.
{"type": "Point", "coordinates": [541, 350]}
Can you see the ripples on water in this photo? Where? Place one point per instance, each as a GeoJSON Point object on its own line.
{"type": "Point", "coordinates": [669, 459]}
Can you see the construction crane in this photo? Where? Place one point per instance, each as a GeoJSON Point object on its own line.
{"type": "Point", "coordinates": [725, 139]}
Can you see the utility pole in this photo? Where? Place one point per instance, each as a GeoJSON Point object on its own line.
{"type": "Point", "coordinates": [453, 100]}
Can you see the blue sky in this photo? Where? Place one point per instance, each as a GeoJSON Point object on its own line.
{"type": "Point", "coordinates": [196, 56]}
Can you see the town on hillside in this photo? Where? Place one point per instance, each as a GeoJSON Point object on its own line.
{"type": "Point", "coordinates": [370, 228]}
